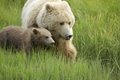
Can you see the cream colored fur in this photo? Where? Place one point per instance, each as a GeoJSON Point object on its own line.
{"type": "Point", "coordinates": [54, 15]}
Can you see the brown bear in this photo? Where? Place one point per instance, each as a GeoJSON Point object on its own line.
{"type": "Point", "coordinates": [19, 38]}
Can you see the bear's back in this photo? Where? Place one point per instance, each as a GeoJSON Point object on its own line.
{"type": "Point", "coordinates": [12, 32]}
{"type": "Point", "coordinates": [12, 35]}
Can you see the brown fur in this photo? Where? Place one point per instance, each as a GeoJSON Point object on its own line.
{"type": "Point", "coordinates": [64, 46]}
{"type": "Point", "coordinates": [19, 38]}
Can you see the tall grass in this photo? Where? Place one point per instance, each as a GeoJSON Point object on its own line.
{"type": "Point", "coordinates": [96, 37]}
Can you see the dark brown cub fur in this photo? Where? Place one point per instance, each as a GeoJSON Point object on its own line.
{"type": "Point", "coordinates": [19, 38]}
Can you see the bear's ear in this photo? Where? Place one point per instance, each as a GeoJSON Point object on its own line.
{"type": "Point", "coordinates": [66, 5]}
{"type": "Point", "coordinates": [35, 31]}
{"type": "Point", "coordinates": [49, 7]}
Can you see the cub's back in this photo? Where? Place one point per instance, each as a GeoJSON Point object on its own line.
{"type": "Point", "coordinates": [12, 32]}
{"type": "Point", "coordinates": [12, 29]}
{"type": "Point", "coordinates": [11, 35]}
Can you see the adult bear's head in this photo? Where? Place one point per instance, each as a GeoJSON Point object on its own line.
{"type": "Point", "coordinates": [58, 17]}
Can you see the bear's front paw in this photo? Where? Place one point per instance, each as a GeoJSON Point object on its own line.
{"type": "Point", "coordinates": [68, 50]}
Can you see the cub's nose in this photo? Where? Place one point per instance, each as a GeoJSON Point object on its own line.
{"type": "Point", "coordinates": [53, 42]}
{"type": "Point", "coordinates": [68, 37]}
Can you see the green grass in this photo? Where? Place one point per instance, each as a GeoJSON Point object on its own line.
{"type": "Point", "coordinates": [96, 37]}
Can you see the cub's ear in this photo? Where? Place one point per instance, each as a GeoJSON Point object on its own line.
{"type": "Point", "coordinates": [49, 7]}
{"type": "Point", "coordinates": [35, 31]}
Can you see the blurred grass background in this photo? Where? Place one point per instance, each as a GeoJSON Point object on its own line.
{"type": "Point", "coordinates": [96, 37]}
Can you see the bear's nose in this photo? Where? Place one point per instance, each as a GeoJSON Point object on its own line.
{"type": "Point", "coordinates": [68, 37]}
{"type": "Point", "coordinates": [53, 42]}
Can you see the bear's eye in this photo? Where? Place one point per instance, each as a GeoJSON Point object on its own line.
{"type": "Point", "coordinates": [46, 37]}
{"type": "Point", "coordinates": [69, 23]}
{"type": "Point", "coordinates": [62, 23]}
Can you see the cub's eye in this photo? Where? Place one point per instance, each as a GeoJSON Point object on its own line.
{"type": "Point", "coordinates": [46, 37]}
{"type": "Point", "coordinates": [69, 23]}
{"type": "Point", "coordinates": [62, 23]}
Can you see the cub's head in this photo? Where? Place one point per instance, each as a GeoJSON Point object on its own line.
{"type": "Point", "coordinates": [58, 17]}
{"type": "Point", "coordinates": [42, 36]}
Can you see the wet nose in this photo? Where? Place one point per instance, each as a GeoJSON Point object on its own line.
{"type": "Point", "coordinates": [69, 36]}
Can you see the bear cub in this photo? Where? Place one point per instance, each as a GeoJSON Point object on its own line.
{"type": "Point", "coordinates": [18, 38]}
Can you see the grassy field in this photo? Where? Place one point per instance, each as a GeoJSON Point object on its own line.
{"type": "Point", "coordinates": [96, 37]}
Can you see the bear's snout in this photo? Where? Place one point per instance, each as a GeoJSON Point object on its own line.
{"type": "Point", "coordinates": [50, 41]}
{"type": "Point", "coordinates": [53, 42]}
{"type": "Point", "coordinates": [68, 37]}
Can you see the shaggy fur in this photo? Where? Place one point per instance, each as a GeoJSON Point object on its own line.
{"type": "Point", "coordinates": [57, 17]}
{"type": "Point", "coordinates": [19, 38]}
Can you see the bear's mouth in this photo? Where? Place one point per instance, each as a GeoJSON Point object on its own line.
{"type": "Point", "coordinates": [55, 34]}
{"type": "Point", "coordinates": [67, 37]}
